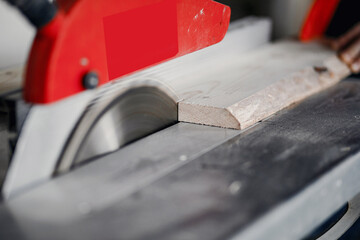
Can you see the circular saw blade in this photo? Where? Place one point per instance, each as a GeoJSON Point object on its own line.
{"type": "Point", "coordinates": [117, 118]}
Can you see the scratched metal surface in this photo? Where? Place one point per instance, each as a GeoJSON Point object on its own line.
{"type": "Point", "coordinates": [219, 193]}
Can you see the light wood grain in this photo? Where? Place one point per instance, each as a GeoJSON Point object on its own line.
{"type": "Point", "coordinates": [240, 81]}
{"type": "Point", "coordinates": [244, 79]}
{"type": "Point", "coordinates": [254, 86]}
{"type": "Point", "coordinates": [11, 80]}
{"type": "Point", "coordinates": [186, 75]}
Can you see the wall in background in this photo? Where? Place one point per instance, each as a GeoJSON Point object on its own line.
{"type": "Point", "coordinates": [287, 15]}
{"type": "Point", "coordinates": [15, 37]}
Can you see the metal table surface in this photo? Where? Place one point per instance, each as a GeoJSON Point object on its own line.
{"type": "Point", "coordinates": [276, 180]}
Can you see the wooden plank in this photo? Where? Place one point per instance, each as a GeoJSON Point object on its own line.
{"type": "Point", "coordinates": [10, 80]}
{"type": "Point", "coordinates": [244, 89]}
{"type": "Point", "coordinates": [183, 73]}
{"type": "Point", "coordinates": [240, 81]}
{"type": "Point", "coordinates": [229, 86]}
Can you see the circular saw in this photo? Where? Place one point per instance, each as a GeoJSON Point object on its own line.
{"type": "Point", "coordinates": [80, 98]}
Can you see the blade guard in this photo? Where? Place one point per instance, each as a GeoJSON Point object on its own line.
{"type": "Point", "coordinates": [114, 38]}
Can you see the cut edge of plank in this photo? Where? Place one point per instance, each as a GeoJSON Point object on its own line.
{"type": "Point", "coordinates": [207, 115]}
{"type": "Point", "coordinates": [266, 102]}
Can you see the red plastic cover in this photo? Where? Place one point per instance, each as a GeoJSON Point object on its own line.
{"type": "Point", "coordinates": [318, 19]}
{"type": "Point", "coordinates": [115, 38]}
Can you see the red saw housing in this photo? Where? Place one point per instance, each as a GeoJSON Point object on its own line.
{"type": "Point", "coordinates": [318, 19]}
{"type": "Point", "coordinates": [114, 38]}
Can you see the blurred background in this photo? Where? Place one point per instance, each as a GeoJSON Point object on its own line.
{"type": "Point", "coordinates": [17, 33]}
{"type": "Point", "coordinates": [287, 15]}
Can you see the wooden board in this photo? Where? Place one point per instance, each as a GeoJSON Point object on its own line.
{"type": "Point", "coordinates": [186, 72]}
{"type": "Point", "coordinates": [244, 79]}
{"type": "Point", "coordinates": [248, 88]}
{"type": "Point", "coordinates": [10, 80]}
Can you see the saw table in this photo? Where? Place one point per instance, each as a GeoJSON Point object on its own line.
{"type": "Point", "coordinates": [119, 135]}
{"type": "Point", "coordinates": [277, 180]}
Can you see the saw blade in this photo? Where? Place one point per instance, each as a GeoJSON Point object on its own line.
{"type": "Point", "coordinates": [117, 118]}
